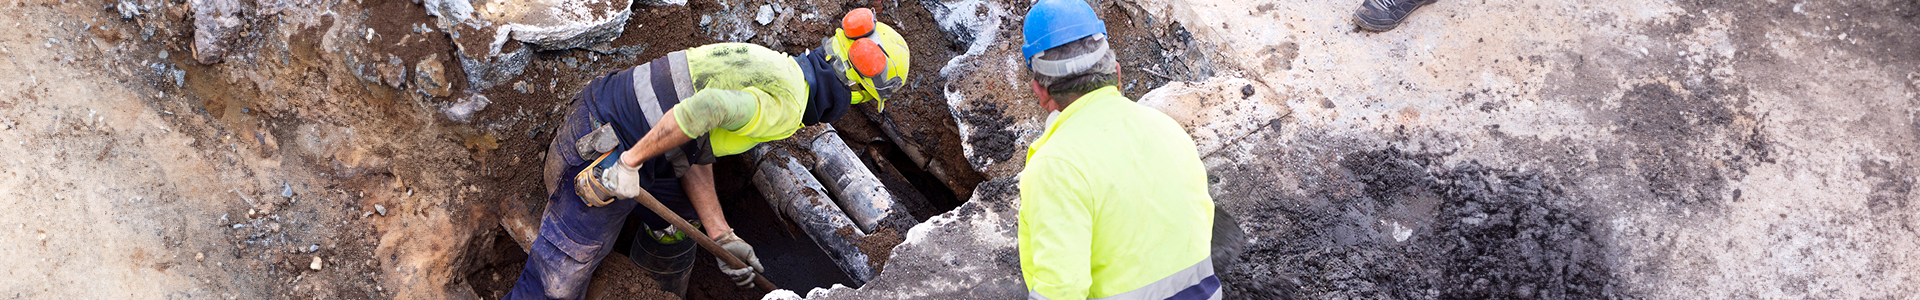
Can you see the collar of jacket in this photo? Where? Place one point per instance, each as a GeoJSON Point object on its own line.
{"type": "Point", "coordinates": [827, 99]}
{"type": "Point", "coordinates": [1108, 93]}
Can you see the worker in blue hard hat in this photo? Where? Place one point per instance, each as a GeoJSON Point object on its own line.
{"type": "Point", "coordinates": [1114, 201]}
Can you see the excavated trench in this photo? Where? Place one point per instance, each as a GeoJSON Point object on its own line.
{"type": "Point", "coordinates": [794, 259]}
{"type": "Point", "coordinates": [913, 150]}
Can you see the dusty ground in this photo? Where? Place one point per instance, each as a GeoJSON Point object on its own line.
{"type": "Point", "coordinates": [1499, 149]}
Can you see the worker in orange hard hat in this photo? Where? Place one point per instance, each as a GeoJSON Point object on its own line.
{"type": "Point", "coordinates": [656, 128]}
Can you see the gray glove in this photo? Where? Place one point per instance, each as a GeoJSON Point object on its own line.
{"type": "Point", "coordinates": [607, 180]}
{"type": "Point", "coordinates": [742, 277]}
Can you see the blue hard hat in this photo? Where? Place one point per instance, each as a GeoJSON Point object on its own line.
{"type": "Point", "coordinates": [1051, 23]}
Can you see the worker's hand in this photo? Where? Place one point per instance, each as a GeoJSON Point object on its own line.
{"type": "Point", "coordinates": [621, 180]}
{"type": "Point", "coordinates": [742, 277]}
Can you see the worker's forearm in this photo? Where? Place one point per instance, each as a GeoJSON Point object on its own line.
{"type": "Point", "coordinates": [664, 136]}
{"type": "Point", "coordinates": [699, 184]}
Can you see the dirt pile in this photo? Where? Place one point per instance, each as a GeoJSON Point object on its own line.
{"type": "Point", "coordinates": [1410, 229]}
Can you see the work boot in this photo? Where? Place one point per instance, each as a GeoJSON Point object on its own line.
{"type": "Point", "coordinates": [1384, 15]}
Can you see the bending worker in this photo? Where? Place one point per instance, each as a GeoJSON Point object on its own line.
{"type": "Point", "coordinates": [656, 128]}
{"type": "Point", "coordinates": [1114, 201]}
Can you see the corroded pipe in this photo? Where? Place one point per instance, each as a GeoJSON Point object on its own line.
{"type": "Point", "coordinates": [853, 186]}
{"type": "Point", "coordinates": [791, 189]}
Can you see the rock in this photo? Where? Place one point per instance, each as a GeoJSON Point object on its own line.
{"type": "Point", "coordinates": [993, 114]}
{"type": "Point", "coordinates": [781, 294]}
{"type": "Point", "coordinates": [200, 257]}
{"type": "Point", "coordinates": [215, 24]}
{"type": "Point", "coordinates": [315, 265]}
{"type": "Point", "coordinates": [521, 86]}
{"type": "Point", "coordinates": [765, 16]}
{"type": "Point", "coordinates": [393, 73]}
{"type": "Point", "coordinates": [463, 111]}
{"type": "Point", "coordinates": [430, 75]}
{"type": "Point", "coordinates": [548, 25]}
{"type": "Point", "coordinates": [128, 9]}
{"type": "Point", "coordinates": [381, 209]}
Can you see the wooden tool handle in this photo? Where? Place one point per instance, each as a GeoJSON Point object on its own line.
{"type": "Point", "coordinates": [646, 199]}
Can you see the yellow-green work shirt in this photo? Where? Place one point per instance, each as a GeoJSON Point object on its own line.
{"type": "Point", "coordinates": [1114, 205]}
{"type": "Point", "coordinates": [765, 88]}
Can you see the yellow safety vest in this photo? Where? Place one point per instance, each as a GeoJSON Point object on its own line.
{"type": "Point", "coordinates": [774, 80]}
{"type": "Point", "coordinates": [1114, 205]}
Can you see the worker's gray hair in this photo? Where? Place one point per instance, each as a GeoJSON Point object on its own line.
{"type": "Point", "coordinates": [1075, 68]}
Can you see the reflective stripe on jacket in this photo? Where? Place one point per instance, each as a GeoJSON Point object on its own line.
{"type": "Point", "coordinates": [1114, 205]}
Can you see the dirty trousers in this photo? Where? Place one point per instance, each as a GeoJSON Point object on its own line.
{"type": "Point", "coordinates": [573, 237]}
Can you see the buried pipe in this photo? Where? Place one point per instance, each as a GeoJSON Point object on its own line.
{"type": "Point", "coordinates": [795, 193]}
{"type": "Point", "coordinates": [853, 186]}
{"type": "Point", "coordinates": [913, 151]}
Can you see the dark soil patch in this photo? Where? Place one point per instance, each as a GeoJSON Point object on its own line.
{"type": "Point", "coordinates": [393, 22]}
{"type": "Point", "coordinates": [496, 267]}
{"type": "Point", "coordinates": [1665, 125]}
{"type": "Point", "coordinates": [1491, 234]}
{"type": "Point", "coordinates": [996, 143]}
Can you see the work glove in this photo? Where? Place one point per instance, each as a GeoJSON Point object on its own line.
{"type": "Point", "coordinates": [742, 277]}
{"type": "Point", "coordinates": [607, 180]}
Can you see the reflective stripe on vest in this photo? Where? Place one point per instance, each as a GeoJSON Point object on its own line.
{"type": "Point", "coordinates": [660, 84]}
{"type": "Point", "coordinates": [1193, 283]}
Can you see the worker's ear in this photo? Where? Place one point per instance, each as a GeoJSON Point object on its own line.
{"type": "Point", "coordinates": [1046, 101]}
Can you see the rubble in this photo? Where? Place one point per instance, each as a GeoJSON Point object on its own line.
{"type": "Point", "coordinates": [431, 77]}
{"type": "Point", "coordinates": [216, 23]}
{"type": "Point", "coordinates": [393, 72]}
{"type": "Point", "coordinates": [463, 111]}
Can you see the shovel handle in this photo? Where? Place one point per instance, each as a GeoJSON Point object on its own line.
{"type": "Point", "coordinates": [646, 199]}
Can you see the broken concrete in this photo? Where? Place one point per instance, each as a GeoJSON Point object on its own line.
{"type": "Point", "coordinates": [967, 253]}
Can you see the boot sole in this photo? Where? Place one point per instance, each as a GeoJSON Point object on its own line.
{"type": "Point", "coordinates": [1369, 25]}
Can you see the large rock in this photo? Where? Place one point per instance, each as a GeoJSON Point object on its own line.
{"type": "Point", "coordinates": [986, 87]}
{"type": "Point", "coordinates": [215, 24]}
{"type": "Point", "coordinates": [547, 24]}
{"type": "Point", "coordinates": [489, 34]}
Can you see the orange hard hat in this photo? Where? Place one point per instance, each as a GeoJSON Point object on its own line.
{"type": "Point", "coordinates": [868, 57]}
{"type": "Point", "coordinates": [858, 23]}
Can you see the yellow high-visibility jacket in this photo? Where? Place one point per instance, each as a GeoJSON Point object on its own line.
{"type": "Point", "coordinates": [757, 95]}
{"type": "Point", "coordinates": [1114, 205]}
